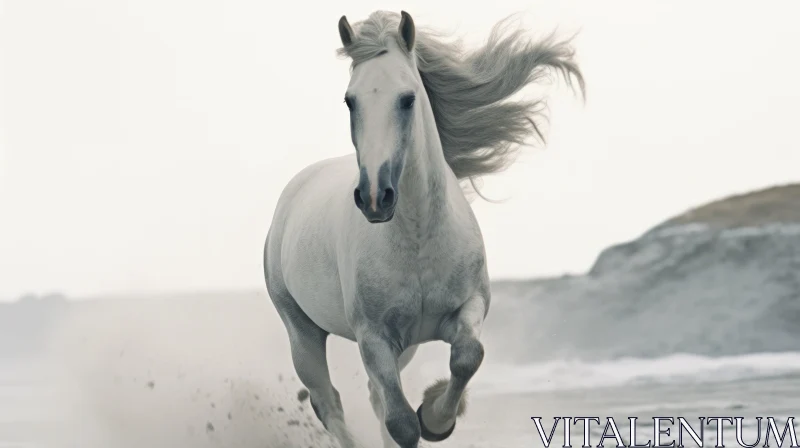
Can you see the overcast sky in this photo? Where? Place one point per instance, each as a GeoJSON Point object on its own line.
{"type": "Point", "coordinates": [144, 143]}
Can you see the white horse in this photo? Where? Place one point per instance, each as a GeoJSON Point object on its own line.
{"type": "Point", "coordinates": [425, 119]}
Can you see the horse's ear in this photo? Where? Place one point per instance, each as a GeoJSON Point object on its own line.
{"type": "Point", "coordinates": [407, 30]}
{"type": "Point", "coordinates": [345, 31]}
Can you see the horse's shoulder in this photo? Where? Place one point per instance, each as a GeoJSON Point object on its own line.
{"type": "Point", "coordinates": [319, 171]}
{"type": "Point", "coordinates": [314, 169]}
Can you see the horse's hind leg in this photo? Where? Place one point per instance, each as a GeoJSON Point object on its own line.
{"type": "Point", "coordinates": [375, 398]}
{"type": "Point", "coordinates": [380, 359]}
{"type": "Point", "coordinates": [308, 344]}
{"type": "Point", "coordinates": [446, 400]}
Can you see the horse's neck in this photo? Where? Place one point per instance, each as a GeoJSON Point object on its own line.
{"type": "Point", "coordinates": [422, 202]}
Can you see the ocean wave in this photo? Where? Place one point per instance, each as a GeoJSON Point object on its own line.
{"type": "Point", "coordinates": [676, 368]}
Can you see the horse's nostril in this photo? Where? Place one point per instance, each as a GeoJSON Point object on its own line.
{"type": "Point", "coordinates": [388, 197]}
{"type": "Point", "coordinates": [359, 201]}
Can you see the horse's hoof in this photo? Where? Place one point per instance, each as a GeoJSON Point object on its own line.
{"type": "Point", "coordinates": [431, 436]}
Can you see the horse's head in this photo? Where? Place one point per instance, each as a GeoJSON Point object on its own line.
{"type": "Point", "coordinates": [381, 99]}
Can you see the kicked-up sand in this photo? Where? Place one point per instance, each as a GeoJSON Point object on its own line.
{"type": "Point", "coordinates": [201, 372]}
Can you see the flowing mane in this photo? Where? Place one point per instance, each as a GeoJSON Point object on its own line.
{"type": "Point", "coordinates": [480, 131]}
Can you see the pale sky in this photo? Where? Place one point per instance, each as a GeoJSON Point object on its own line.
{"type": "Point", "coordinates": [144, 143]}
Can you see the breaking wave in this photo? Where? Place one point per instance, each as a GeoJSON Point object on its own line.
{"type": "Point", "coordinates": [677, 368]}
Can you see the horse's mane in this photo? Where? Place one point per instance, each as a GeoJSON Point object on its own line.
{"type": "Point", "coordinates": [480, 131]}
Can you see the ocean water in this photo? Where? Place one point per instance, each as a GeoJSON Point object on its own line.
{"type": "Point", "coordinates": [216, 372]}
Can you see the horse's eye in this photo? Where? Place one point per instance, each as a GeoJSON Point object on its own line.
{"type": "Point", "coordinates": [349, 103]}
{"type": "Point", "coordinates": [407, 101]}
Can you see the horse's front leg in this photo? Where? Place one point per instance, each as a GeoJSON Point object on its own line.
{"type": "Point", "coordinates": [309, 354]}
{"type": "Point", "coordinates": [445, 400]}
{"type": "Point", "coordinates": [380, 357]}
{"type": "Point", "coordinates": [376, 400]}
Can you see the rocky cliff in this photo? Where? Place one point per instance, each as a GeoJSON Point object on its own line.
{"type": "Point", "coordinates": [719, 280]}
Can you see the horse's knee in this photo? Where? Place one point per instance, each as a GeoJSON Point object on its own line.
{"type": "Point", "coordinates": [375, 399]}
{"type": "Point", "coordinates": [374, 394]}
{"type": "Point", "coordinates": [337, 398]}
{"type": "Point", "coordinates": [326, 406]}
{"type": "Point", "coordinates": [465, 358]}
{"type": "Point", "coordinates": [317, 412]}
{"type": "Point", "coordinates": [404, 428]}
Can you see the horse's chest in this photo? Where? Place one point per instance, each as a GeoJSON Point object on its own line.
{"type": "Point", "coordinates": [406, 288]}
{"type": "Point", "coordinates": [421, 286]}
{"type": "Point", "coordinates": [444, 287]}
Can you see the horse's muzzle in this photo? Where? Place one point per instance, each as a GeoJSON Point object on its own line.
{"type": "Point", "coordinates": [376, 209]}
